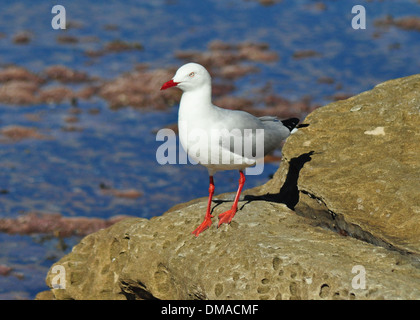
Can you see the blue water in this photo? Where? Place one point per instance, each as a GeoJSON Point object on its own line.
{"type": "Point", "coordinates": [118, 147]}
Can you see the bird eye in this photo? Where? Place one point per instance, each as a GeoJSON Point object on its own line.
{"type": "Point", "coordinates": [192, 74]}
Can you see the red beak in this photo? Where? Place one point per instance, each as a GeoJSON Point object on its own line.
{"type": "Point", "coordinates": [169, 84]}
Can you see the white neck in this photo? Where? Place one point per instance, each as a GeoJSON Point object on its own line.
{"type": "Point", "coordinates": [196, 100]}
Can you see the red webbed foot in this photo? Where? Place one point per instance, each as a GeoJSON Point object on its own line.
{"type": "Point", "coordinates": [203, 226]}
{"type": "Point", "coordinates": [226, 217]}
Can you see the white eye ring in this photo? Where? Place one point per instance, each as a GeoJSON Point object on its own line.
{"type": "Point", "coordinates": [192, 74]}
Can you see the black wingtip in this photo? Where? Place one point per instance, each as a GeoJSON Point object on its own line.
{"type": "Point", "coordinates": [302, 125]}
{"type": "Point", "coordinates": [290, 123]}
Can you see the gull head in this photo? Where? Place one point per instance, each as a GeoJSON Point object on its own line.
{"type": "Point", "coordinates": [189, 77]}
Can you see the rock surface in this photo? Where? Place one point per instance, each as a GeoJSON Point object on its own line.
{"type": "Point", "coordinates": [358, 164]}
{"type": "Point", "coordinates": [342, 208]}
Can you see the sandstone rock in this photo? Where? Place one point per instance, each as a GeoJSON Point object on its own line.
{"type": "Point", "coordinates": [363, 175]}
{"type": "Point", "coordinates": [268, 252]}
{"type": "Point", "coordinates": [344, 200]}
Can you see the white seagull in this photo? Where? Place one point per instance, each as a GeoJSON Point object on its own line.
{"type": "Point", "coordinates": [206, 133]}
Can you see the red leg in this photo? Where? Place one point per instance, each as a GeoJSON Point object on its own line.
{"type": "Point", "coordinates": [226, 217]}
{"type": "Point", "coordinates": [207, 219]}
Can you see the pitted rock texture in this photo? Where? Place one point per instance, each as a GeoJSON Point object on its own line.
{"type": "Point", "coordinates": [339, 220]}
{"type": "Point", "coordinates": [363, 172]}
{"type": "Point", "coordinates": [268, 252]}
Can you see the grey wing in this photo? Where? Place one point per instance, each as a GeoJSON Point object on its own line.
{"type": "Point", "coordinates": [274, 133]}
{"type": "Point", "coordinates": [269, 118]}
{"type": "Point", "coordinates": [253, 137]}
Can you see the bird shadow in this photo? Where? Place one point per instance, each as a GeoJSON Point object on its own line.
{"type": "Point", "coordinates": [288, 193]}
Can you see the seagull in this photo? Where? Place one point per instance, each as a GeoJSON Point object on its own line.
{"type": "Point", "coordinates": [206, 133]}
